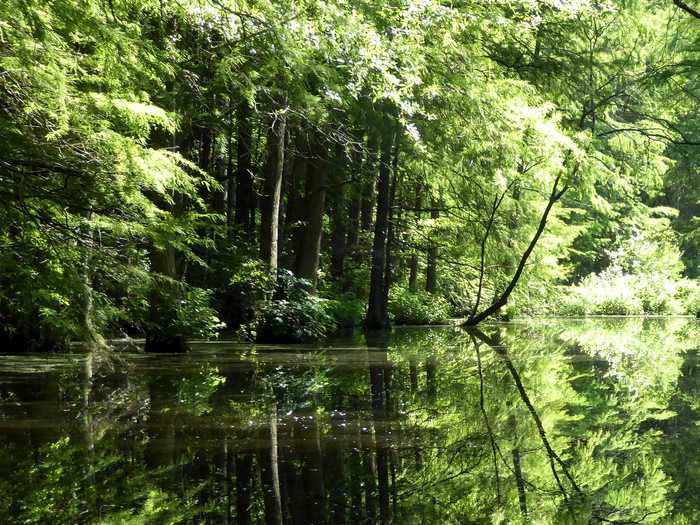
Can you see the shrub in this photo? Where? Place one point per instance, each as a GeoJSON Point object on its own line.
{"type": "Point", "coordinates": [185, 311]}
{"type": "Point", "coordinates": [348, 310]}
{"type": "Point", "coordinates": [688, 297]}
{"type": "Point", "coordinates": [246, 292]}
{"type": "Point", "coordinates": [613, 292]}
{"type": "Point", "coordinates": [294, 314]}
{"type": "Point", "coordinates": [406, 307]}
{"type": "Point", "coordinates": [574, 303]}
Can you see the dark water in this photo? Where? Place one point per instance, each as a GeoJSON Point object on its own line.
{"type": "Point", "coordinates": [544, 422]}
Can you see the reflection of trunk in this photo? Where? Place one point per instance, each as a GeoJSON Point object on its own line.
{"type": "Point", "coordinates": [160, 451]}
{"type": "Point", "coordinates": [89, 431]}
{"type": "Point", "coordinates": [482, 407]}
{"type": "Point", "coordinates": [356, 473]}
{"type": "Point", "coordinates": [335, 469]}
{"type": "Point", "coordinates": [552, 456]}
{"type": "Point", "coordinates": [377, 314]}
{"type": "Point", "coordinates": [370, 473]}
{"type": "Point", "coordinates": [520, 482]}
{"type": "Point", "coordinates": [228, 474]}
{"type": "Point", "coordinates": [383, 482]}
{"type": "Point", "coordinates": [413, 373]}
{"type": "Point", "coordinates": [430, 376]}
{"type": "Point", "coordinates": [244, 479]}
{"type": "Point", "coordinates": [269, 473]}
{"type": "Point", "coordinates": [313, 471]}
{"type": "Point", "coordinates": [269, 218]}
{"type": "Point", "coordinates": [379, 382]}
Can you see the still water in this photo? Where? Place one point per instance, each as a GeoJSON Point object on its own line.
{"type": "Point", "coordinates": [544, 422]}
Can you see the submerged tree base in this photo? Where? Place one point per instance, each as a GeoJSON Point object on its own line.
{"type": "Point", "coordinates": [166, 345]}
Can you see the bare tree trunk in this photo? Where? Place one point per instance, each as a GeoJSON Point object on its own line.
{"type": "Point", "coordinates": [244, 169]}
{"type": "Point", "coordinates": [368, 187]}
{"type": "Point", "coordinates": [269, 222]}
{"type": "Point", "coordinates": [308, 257]}
{"type": "Point", "coordinates": [294, 229]}
{"type": "Point", "coordinates": [413, 262]}
{"type": "Point", "coordinates": [500, 301]}
{"type": "Point", "coordinates": [230, 179]}
{"type": "Point", "coordinates": [431, 269]}
{"type": "Point", "coordinates": [377, 315]}
{"type": "Point", "coordinates": [338, 215]}
{"type": "Point", "coordinates": [353, 229]}
{"type": "Point", "coordinates": [391, 232]}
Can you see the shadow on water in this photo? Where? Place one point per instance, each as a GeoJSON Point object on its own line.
{"type": "Point", "coordinates": [591, 421]}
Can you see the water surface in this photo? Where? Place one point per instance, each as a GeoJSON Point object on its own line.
{"type": "Point", "coordinates": [549, 421]}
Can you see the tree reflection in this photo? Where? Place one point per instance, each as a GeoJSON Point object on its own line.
{"type": "Point", "coordinates": [549, 422]}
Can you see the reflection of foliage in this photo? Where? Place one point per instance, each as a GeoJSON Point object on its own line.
{"type": "Point", "coordinates": [602, 395]}
{"type": "Point", "coordinates": [195, 393]}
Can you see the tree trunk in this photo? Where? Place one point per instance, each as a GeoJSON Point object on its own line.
{"type": "Point", "coordinates": [230, 180]}
{"type": "Point", "coordinates": [391, 232]}
{"type": "Point", "coordinates": [353, 224]}
{"type": "Point", "coordinates": [338, 216]}
{"type": "Point", "coordinates": [163, 262]}
{"type": "Point", "coordinates": [269, 221]}
{"type": "Point", "coordinates": [413, 263]}
{"type": "Point", "coordinates": [431, 269]}
{"type": "Point", "coordinates": [377, 314]}
{"type": "Point", "coordinates": [295, 202]}
{"type": "Point", "coordinates": [368, 186]}
{"type": "Point", "coordinates": [310, 250]}
{"type": "Point", "coordinates": [244, 172]}
{"type": "Point", "coordinates": [500, 301]}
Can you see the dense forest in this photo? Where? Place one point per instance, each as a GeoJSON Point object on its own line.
{"type": "Point", "coordinates": [280, 169]}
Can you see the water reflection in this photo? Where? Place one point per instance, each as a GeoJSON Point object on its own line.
{"type": "Point", "coordinates": [545, 422]}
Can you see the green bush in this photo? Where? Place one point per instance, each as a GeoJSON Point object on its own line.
{"type": "Point", "coordinates": [688, 296]}
{"type": "Point", "coordinates": [613, 292]}
{"type": "Point", "coordinates": [573, 303]}
{"type": "Point", "coordinates": [406, 307]}
{"type": "Point", "coordinates": [185, 312]}
{"type": "Point", "coordinates": [294, 314]}
{"type": "Point", "coordinates": [348, 310]}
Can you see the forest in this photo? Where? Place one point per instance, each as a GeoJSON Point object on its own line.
{"type": "Point", "coordinates": [279, 170]}
{"type": "Point", "coordinates": [349, 262]}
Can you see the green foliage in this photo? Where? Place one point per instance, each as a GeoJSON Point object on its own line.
{"type": "Point", "coordinates": [406, 307]}
{"type": "Point", "coordinates": [643, 278]}
{"type": "Point", "coordinates": [295, 314]}
{"type": "Point", "coordinates": [194, 394]}
{"type": "Point", "coordinates": [183, 311]}
{"type": "Point", "coordinates": [348, 310]}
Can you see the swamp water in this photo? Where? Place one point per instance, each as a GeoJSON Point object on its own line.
{"type": "Point", "coordinates": [549, 421]}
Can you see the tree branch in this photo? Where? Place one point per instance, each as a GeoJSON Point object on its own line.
{"type": "Point", "coordinates": [685, 7]}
